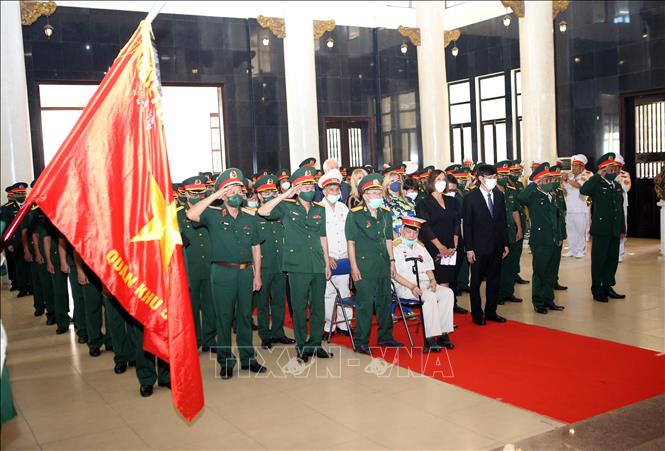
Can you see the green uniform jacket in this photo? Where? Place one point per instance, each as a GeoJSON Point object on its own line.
{"type": "Point", "coordinates": [560, 202]}
{"type": "Point", "coordinates": [7, 213]}
{"type": "Point", "coordinates": [302, 236]}
{"type": "Point", "coordinates": [543, 211]}
{"type": "Point", "coordinates": [607, 197]}
{"type": "Point", "coordinates": [197, 247]}
{"type": "Point", "coordinates": [271, 235]}
{"type": "Point", "coordinates": [370, 235]}
{"type": "Point", "coordinates": [519, 187]}
{"type": "Point", "coordinates": [231, 239]}
{"type": "Point", "coordinates": [511, 205]}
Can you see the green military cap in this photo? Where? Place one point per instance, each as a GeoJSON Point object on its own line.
{"type": "Point", "coordinates": [463, 173]}
{"type": "Point", "coordinates": [259, 174]}
{"type": "Point", "coordinates": [318, 174]}
{"type": "Point", "coordinates": [311, 162]}
{"type": "Point", "coordinates": [304, 175]}
{"type": "Point", "coordinates": [503, 167]}
{"type": "Point", "coordinates": [453, 168]}
{"type": "Point", "coordinates": [609, 159]}
{"type": "Point", "coordinates": [196, 184]}
{"type": "Point", "coordinates": [542, 170]}
{"type": "Point", "coordinates": [344, 171]}
{"type": "Point", "coordinates": [516, 166]}
{"type": "Point", "coordinates": [266, 183]}
{"type": "Point", "coordinates": [230, 177]}
{"type": "Point", "coordinates": [396, 168]}
{"type": "Point", "coordinates": [369, 168]}
{"type": "Point", "coordinates": [283, 174]}
{"type": "Point", "coordinates": [555, 170]}
{"type": "Point", "coordinates": [371, 181]}
{"type": "Point", "coordinates": [17, 188]}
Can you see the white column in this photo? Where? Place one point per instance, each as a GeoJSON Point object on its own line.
{"type": "Point", "coordinates": [538, 85]}
{"type": "Point", "coordinates": [661, 204]}
{"type": "Point", "coordinates": [16, 151]}
{"type": "Point", "coordinates": [432, 85]}
{"type": "Point", "coordinates": [300, 86]}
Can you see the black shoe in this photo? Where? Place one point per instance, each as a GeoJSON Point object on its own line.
{"type": "Point", "coordinates": [554, 306]}
{"type": "Point", "coordinates": [343, 332]}
{"type": "Point", "coordinates": [254, 367]}
{"type": "Point", "coordinates": [226, 373]}
{"type": "Point", "coordinates": [479, 321]}
{"type": "Point", "coordinates": [50, 321]}
{"type": "Point", "coordinates": [205, 348]}
{"type": "Point", "coordinates": [600, 298]}
{"type": "Point", "coordinates": [61, 330]}
{"type": "Point", "coordinates": [283, 340]}
{"type": "Point", "coordinates": [254, 326]}
{"type": "Point", "coordinates": [145, 390]}
{"type": "Point", "coordinates": [95, 352]}
{"type": "Point", "coordinates": [165, 384]}
{"type": "Point", "coordinates": [431, 346]}
{"type": "Point", "coordinates": [559, 287]}
{"type": "Point", "coordinates": [444, 341]}
{"type": "Point", "coordinates": [22, 294]}
{"type": "Point", "coordinates": [321, 353]}
{"type": "Point", "coordinates": [496, 318]}
{"type": "Point", "coordinates": [39, 312]}
{"type": "Point", "coordinates": [512, 298]}
{"type": "Point", "coordinates": [460, 310]}
{"type": "Point", "coordinates": [500, 301]}
{"type": "Point", "coordinates": [83, 339]}
{"type": "Point", "coordinates": [614, 295]}
{"type": "Point", "coordinates": [467, 290]}
{"type": "Point", "coordinates": [391, 344]}
{"type": "Point", "coordinates": [520, 281]}
{"type": "Point", "coordinates": [120, 367]}
{"type": "Point", "coordinates": [108, 348]}
{"type": "Point", "coordinates": [266, 344]}
{"type": "Point", "coordinates": [541, 310]}
{"type": "Point", "coordinates": [363, 349]}
{"type": "Point", "coordinates": [132, 363]}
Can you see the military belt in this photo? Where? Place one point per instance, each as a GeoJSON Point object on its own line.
{"type": "Point", "coordinates": [244, 265]}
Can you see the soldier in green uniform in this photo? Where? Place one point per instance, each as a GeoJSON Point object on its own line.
{"type": "Point", "coordinates": [68, 267]}
{"type": "Point", "coordinates": [608, 226]}
{"type": "Point", "coordinates": [560, 201]}
{"type": "Point", "coordinates": [41, 230]}
{"type": "Point", "coordinates": [305, 257]}
{"type": "Point", "coordinates": [26, 229]}
{"type": "Point", "coordinates": [462, 175]}
{"type": "Point", "coordinates": [197, 263]}
{"type": "Point", "coordinates": [146, 362]}
{"type": "Point", "coordinates": [7, 213]}
{"type": "Point", "coordinates": [236, 268]}
{"type": "Point", "coordinates": [369, 241]}
{"type": "Point", "coordinates": [119, 327]}
{"type": "Point", "coordinates": [516, 170]}
{"type": "Point", "coordinates": [545, 238]}
{"type": "Point", "coordinates": [510, 264]}
{"type": "Point", "coordinates": [92, 297]}
{"type": "Point", "coordinates": [270, 300]}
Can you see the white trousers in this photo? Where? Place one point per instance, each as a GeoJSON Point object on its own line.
{"type": "Point", "coordinates": [438, 310]}
{"type": "Point", "coordinates": [576, 229]}
{"type": "Point", "coordinates": [342, 284]}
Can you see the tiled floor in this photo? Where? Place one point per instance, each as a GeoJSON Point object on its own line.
{"type": "Point", "coordinates": [68, 400]}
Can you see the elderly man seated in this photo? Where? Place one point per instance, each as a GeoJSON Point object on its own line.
{"type": "Point", "coordinates": [437, 301]}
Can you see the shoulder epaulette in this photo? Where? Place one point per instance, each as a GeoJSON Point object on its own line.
{"type": "Point", "coordinates": [214, 208]}
{"type": "Point", "coordinates": [34, 207]}
{"type": "Point", "coordinates": [320, 204]}
{"type": "Point", "coordinates": [249, 211]}
{"type": "Point", "coordinates": [290, 200]}
{"type": "Point", "coordinates": [358, 208]}
{"type": "Point", "coordinates": [179, 208]}
{"type": "Point", "coordinates": [385, 208]}
{"type": "Point", "coordinates": [421, 243]}
{"type": "Point", "coordinates": [510, 187]}
{"type": "Point", "coordinates": [397, 242]}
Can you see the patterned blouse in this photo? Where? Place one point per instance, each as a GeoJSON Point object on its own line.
{"type": "Point", "coordinates": [400, 208]}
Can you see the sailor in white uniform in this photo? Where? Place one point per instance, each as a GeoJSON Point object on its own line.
{"type": "Point", "coordinates": [578, 212]}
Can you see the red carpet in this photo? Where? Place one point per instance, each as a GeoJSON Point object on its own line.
{"type": "Point", "coordinates": [557, 374]}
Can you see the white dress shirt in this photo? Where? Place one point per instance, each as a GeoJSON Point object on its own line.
{"type": "Point", "coordinates": [335, 222]}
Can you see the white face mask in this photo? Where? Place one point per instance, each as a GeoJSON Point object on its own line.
{"type": "Point", "coordinates": [412, 195]}
{"type": "Point", "coordinates": [450, 194]}
{"type": "Point", "coordinates": [332, 198]}
{"type": "Point", "coordinates": [490, 184]}
{"type": "Point", "coordinates": [440, 186]}
{"type": "Point", "coordinates": [285, 185]}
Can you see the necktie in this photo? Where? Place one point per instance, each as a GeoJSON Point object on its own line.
{"type": "Point", "coordinates": [491, 204]}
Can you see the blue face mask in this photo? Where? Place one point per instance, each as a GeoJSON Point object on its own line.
{"type": "Point", "coordinates": [395, 186]}
{"type": "Point", "coordinates": [332, 198]}
{"type": "Point", "coordinates": [375, 203]}
{"type": "Point", "coordinates": [253, 203]}
{"type": "Point", "coordinates": [408, 242]}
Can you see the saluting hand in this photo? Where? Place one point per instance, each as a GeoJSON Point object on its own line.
{"type": "Point", "coordinates": [294, 190]}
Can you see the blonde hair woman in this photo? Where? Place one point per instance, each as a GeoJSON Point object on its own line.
{"type": "Point", "coordinates": [355, 198]}
{"type": "Point", "coordinates": [399, 206]}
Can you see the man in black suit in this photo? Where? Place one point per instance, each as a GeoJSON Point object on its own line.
{"type": "Point", "coordinates": [486, 241]}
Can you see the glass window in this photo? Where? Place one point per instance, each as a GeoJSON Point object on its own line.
{"type": "Point", "coordinates": [407, 119]}
{"type": "Point", "coordinates": [491, 87]}
{"type": "Point", "coordinates": [468, 145]}
{"type": "Point", "coordinates": [407, 101]}
{"type": "Point", "coordinates": [457, 144]}
{"type": "Point", "coordinates": [460, 114]}
{"type": "Point", "coordinates": [493, 109]}
{"type": "Point", "coordinates": [501, 143]}
{"type": "Point", "coordinates": [459, 92]}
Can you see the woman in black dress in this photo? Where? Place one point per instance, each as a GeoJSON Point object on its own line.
{"type": "Point", "coordinates": [440, 233]}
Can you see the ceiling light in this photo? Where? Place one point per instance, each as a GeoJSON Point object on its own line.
{"type": "Point", "coordinates": [403, 48]}
{"type": "Point", "coordinates": [506, 20]}
{"type": "Point", "coordinates": [645, 34]}
{"type": "Point", "coordinates": [455, 51]}
{"type": "Point", "coordinates": [48, 30]}
{"type": "Point", "coordinates": [265, 40]}
{"type": "Point", "coordinates": [563, 26]}
{"type": "Point", "coordinates": [578, 59]}
{"type": "Point", "coordinates": [330, 43]}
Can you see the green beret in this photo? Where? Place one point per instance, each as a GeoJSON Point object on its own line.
{"type": "Point", "coordinates": [371, 181]}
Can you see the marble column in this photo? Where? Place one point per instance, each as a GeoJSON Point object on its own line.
{"type": "Point", "coordinates": [300, 75]}
{"type": "Point", "coordinates": [538, 84]}
{"type": "Point", "coordinates": [16, 151]}
{"type": "Point", "coordinates": [432, 85]}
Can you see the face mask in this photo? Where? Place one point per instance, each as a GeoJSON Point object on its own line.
{"type": "Point", "coordinates": [611, 176]}
{"type": "Point", "coordinates": [285, 185]}
{"type": "Point", "coordinates": [514, 178]}
{"type": "Point", "coordinates": [235, 201]}
{"type": "Point", "coordinates": [490, 184]}
{"type": "Point", "coordinates": [375, 203]}
{"type": "Point", "coordinates": [332, 198]}
{"type": "Point", "coordinates": [408, 242]}
{"type": "Point", "coordinates": [307, 196]}
{"type": "Point", "coordinates": [440, 186]}
{"type": "Point", "coordinates": [395, 186]}
{"type": "Point", "coordinates": [20, 200]}
{"type": "Point", "coordinates": [503, 182]}
{"type": "Point", "coordinates": [269, 197]}
{"type": "Point", "coordinates": [194, 200]}
{"type": "Point", "coordinates": [449, 194]}
{"type": "Point", "coordinates": [556, 185]}
{"type": "Point", "coordinates": [547, 187]}
{"type": "Point", "coordinates": [182, 200]}
{"type": "Point", "coordinates": [253, 203]}
{"type": "Point", "coordinates": [412, 195]}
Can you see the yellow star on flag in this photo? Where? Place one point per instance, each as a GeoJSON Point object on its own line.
{"type": "Point", "coordinates": [163, 226]}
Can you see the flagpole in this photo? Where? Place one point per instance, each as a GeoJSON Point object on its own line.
{"type": "Point", "coordinates": [154, 11]}
{"type": "Point", "coordinates": [11, 229]}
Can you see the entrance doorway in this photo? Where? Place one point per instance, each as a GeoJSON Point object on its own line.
{"type": "Point", "coordinates": [349, 140]}
{"type": "Point", "coordinates": [643, 139]}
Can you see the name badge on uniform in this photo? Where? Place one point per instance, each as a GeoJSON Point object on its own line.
{"type": "Point", "coordinates": [369, 224]}
{"type": "Point", "coordinates": [316, 217]}
{"type": "Point", "coordinates": [224, 223]}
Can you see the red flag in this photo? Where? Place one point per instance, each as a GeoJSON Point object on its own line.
{"type": "Point", "coordinates": [108, 190]}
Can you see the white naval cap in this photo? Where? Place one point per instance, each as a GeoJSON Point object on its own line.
{"type": "Point", "coordinates": [333, 176]}
{"type": "Point", "coordinates": [580, 159]}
